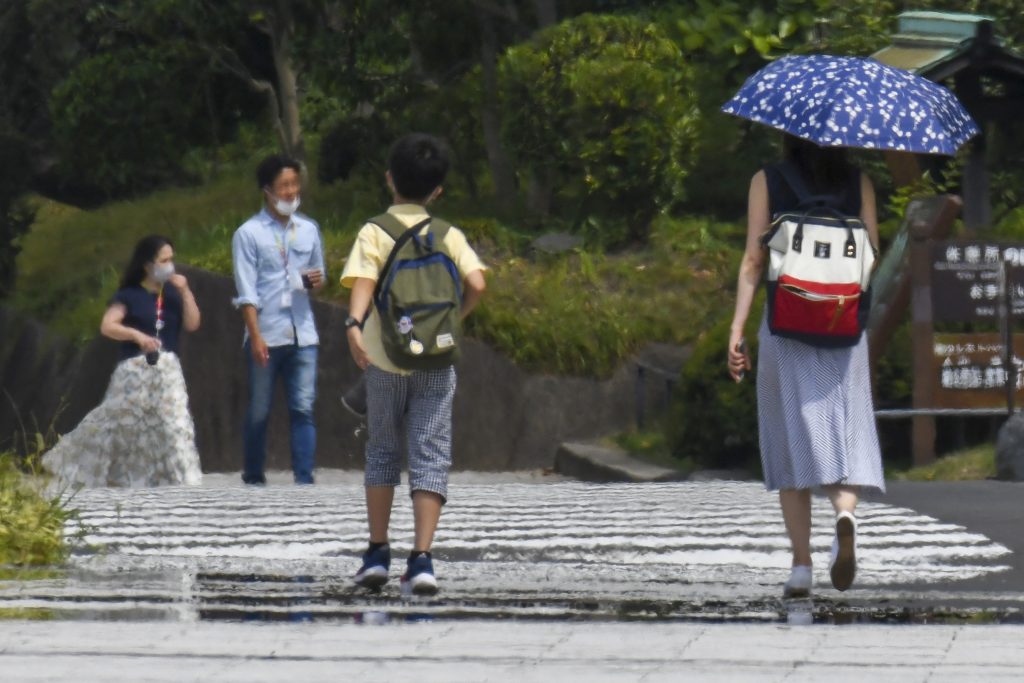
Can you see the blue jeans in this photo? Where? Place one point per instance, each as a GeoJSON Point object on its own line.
{"type": "Point", "coordinates": [297, 366]}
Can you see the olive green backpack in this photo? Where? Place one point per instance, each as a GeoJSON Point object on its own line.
{"type": "Point", "coordinates": [419, 296]}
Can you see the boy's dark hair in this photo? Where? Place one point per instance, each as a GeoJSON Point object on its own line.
{"type": "Point", "coordinates": [145, 252]}
{"type": "Point", "coordinates": [271, 167]}
{"type": "Point", "coordinates": [418, 164]}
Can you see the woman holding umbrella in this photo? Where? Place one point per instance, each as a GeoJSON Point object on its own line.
{"type": "Point", "coordinates": [815, 411]}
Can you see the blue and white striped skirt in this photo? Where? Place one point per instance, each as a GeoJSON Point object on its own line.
{"type": "Point", "coordinates": [816, 415]}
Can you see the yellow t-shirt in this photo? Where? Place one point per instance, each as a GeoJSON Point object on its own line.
{"type": "Point", "coordinates": [373, 244]}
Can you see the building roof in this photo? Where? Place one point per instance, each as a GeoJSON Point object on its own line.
{"type": "Point", "coordinates": [938, 45]}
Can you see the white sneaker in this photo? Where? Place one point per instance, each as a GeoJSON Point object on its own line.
{"type": "Point", "coordinates": [843, 566]}
{"type": "Point", "coordinates": [799, 583]}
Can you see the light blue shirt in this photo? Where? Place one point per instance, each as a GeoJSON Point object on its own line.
{"type": "Point", "coordinates": [258, 252]}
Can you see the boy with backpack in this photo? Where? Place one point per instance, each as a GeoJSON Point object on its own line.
{"type": "Point", "coordinates": [413, 279]}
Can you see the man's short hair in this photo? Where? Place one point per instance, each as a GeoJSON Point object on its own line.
{"type": "Point", "coordinates": [418, 164]}
{"type": "Point", "coordinates": [271, 167]}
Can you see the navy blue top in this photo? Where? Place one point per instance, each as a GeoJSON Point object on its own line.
{"type": "Point", "coordinates": [140, 314]}
{"type": "Point", "coordinates": [782, 198]}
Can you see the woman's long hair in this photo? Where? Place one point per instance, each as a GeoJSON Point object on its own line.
{"type": "Point", "coordinates": [826, 168]}
{"type": "Point", "coordinates": [145, 252]}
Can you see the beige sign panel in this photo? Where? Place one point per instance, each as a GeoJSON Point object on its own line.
{"type": "Point", "coordinates": [970, 370]}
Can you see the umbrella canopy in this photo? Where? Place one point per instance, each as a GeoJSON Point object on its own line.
{"type": "Point", "coordinates": [854, 102]}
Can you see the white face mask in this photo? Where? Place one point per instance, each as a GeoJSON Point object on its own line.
{"type": "Point", "coordinates": [162, 272]}
{"type": "Point", "coordinates": [283, 206]}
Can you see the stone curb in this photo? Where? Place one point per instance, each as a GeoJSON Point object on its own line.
{"type": "Point", "coordinates": [591, 462]}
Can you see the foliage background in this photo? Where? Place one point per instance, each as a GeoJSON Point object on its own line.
{"type": "Point", "coordinates": [596, 117]}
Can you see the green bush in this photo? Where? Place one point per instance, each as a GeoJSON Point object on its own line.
{"type": "Point", "coordinates": [31, 521]}
{"type": "Point", "coordinates": [124, 120]}
{"type": "Point", "coordinates": [584, 313]}
{"type": "Point", "coordinates": [601, 112]}
{"type": "Point", "coordinates": [714, 419]}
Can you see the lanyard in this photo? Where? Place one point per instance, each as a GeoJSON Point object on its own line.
{"type": "Point", "coordinates": [283, 248]}
{"type": "Point", "coordinates": [160, 311]}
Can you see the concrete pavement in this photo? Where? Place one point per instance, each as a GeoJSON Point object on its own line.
{"type": "Point", "coordinates": [541, 580]}
{"type": "Point", "coordinates": [508, 651]}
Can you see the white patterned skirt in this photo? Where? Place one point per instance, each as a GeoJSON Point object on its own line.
{"type": "Point", "coordinates": [140, 435]}
{"type": "Point", "coordinates": [815, 415]}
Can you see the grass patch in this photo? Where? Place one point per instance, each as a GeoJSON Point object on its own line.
{"type": "Point", "coordinates": [584, 313]}
{"type": "Point", "coordinates": [967, 465]}
{"type": "Point", "coordinates": [27, 614]}
{"type": "Point", "coordinates": [31, 522]}
{"type": "Point", "coordinates": [651, 446]}
{"type": "Point", "coordinates": [69, 287]}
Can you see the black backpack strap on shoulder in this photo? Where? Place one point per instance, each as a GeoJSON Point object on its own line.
{"type": "Point", "coordinates": [805, 198]}
{"type": "Point", "coordinates": [795, 181]}
{"type": "Point", "coordinates": [406, 235]}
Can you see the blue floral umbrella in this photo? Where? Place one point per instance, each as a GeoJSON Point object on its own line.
{"type": "Point", "coordinates": [854, 102]}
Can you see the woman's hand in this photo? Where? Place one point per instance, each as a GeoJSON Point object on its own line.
{"type": "Point", "coordinates": [146, 343]}
{"type": "Point", "coordinates": [739, 361]}
{"type": "Point", "coordinates": [179, 281]}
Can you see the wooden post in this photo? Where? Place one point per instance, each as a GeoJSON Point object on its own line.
{"type": "Point", "coordinates": [977, 203]}
{"type": "Point", "coordinates": [926, 219]}
{"type": "Point", "coordinates": [890, 287]}
{"type": "Point", "coordinates": [904, 167]}
{"type": "Point", "coordinates": [921, 339]}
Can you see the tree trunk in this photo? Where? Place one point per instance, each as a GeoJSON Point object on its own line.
{"type": "Point", "coordinates": [490, 118]}
{"type": "Point", "coordinates": [287, 86]}
{"type": "Point", "coordinates": [538, 193]}
{"type": "Point", "coordinates": [211, 114]}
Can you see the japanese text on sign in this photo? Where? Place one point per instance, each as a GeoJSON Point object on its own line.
{"type": "Point", "coordinates": [965, 279]}
{"type": "Point", "coordinates": [971, 370]}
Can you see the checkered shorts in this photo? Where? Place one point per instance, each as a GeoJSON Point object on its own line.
{"type": "Point", "coordinates": [422, 402]}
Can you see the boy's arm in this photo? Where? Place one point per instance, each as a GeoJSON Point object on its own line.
{"type": "Point", "coordinates": [358, 306]}
{"type": "Point", "coordinates": [473, 288]}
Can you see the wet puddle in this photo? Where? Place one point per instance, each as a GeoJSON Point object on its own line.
{"type": "Point", "coordinates": [240, 597]}
{"type": "Point", "coordinates": [707, 552]}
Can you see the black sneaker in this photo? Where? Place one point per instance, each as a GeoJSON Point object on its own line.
{"type": "Point", "coordinates": [419, 577]}
{"type": "Point", "coordinates": [374, 572]}
{"type": "Point", "coordinates": [354, 399]}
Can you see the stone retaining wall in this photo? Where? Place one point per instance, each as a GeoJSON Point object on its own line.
{"type": "Point", "coordinates": [505, 419]}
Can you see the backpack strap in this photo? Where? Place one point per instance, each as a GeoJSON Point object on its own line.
{"type": "Point", "coordinates": [390, 224]}
{"type": "Point", "coordinates": [806, 199]}
{"type": "Point", "coordinates": [401, 234]}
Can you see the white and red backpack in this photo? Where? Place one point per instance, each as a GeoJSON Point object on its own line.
{"type": "Point", "coordinates": [819, 269]}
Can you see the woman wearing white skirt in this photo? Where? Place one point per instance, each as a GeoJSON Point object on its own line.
{"type": "Point", "coordinates": [142, 433]}
{"type": "Point", "coordinates": [815, 415]}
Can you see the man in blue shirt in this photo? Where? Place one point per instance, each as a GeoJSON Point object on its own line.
{"type": "Point", "coordinates": [278, 258]}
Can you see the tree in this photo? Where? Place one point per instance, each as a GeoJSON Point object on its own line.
{"type": "Point", "coordinates": [123, 119]}
{"type": "Point", "coordinates": [249, 40]}
{"type": "Point", "coordinates": [601, 108]}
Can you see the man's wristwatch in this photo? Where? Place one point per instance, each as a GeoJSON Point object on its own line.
{"type": "Point", "coordinates": [351, 322]}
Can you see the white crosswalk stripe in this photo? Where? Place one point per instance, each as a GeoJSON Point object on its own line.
{"type": "Point", "coordinates": [532, 549]}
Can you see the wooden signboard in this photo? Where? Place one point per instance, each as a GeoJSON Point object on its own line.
{"type": "Point", "coordinates": [965, 280]}
{"type": "Point", "coordinates": [969, 370]}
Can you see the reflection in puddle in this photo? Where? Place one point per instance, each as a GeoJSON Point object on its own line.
{"type": "Point", "coordinates": [187, 595]}
{"type": "Point", "coordinates": [799, 611]}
